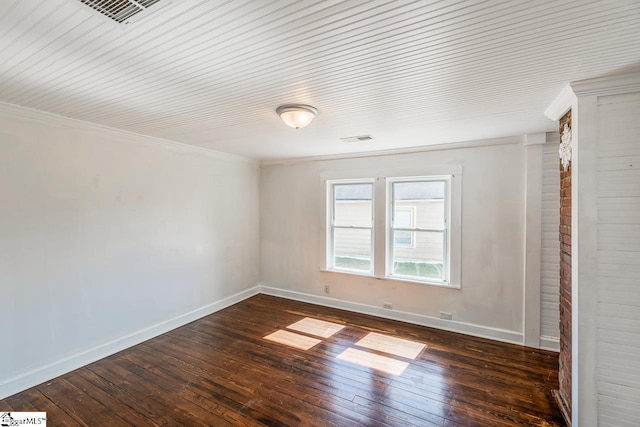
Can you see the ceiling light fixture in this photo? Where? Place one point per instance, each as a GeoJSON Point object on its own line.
{"type": "Point", "coordinates": [296, 115]}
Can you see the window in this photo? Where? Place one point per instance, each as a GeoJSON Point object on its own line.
{"type": "Point", "coordinates": [350, 226]}
{"type": "Point", "coordinates": [418, 241]}
{"type": "Point", "coordinates": [413, 227]}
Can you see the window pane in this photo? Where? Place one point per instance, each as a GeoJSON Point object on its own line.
{"type": "Point", "coordinates": [424, 260]}
{"type": "Point", "coordinates": [353, 204]}
{"type": "Point", "coordinates": [426, 198]}
{"type": "Point", "coordinates": [403, 218]}
{"type": "Point", "coordinates": [403, 238]}
{"type": "Point", "coordinates": [352, 249]}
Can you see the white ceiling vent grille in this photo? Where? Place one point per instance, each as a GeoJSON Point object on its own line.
{"type": "Point", "coordinates": [359, 138]}
{"type": "Point", "coordinates": [121, 11]}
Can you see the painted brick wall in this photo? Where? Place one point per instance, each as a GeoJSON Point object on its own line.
{"type": "Point", "coordinates": [565, 280]}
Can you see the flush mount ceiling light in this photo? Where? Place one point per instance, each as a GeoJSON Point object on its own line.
{"type": "Point", "coordinates": [296, 115]}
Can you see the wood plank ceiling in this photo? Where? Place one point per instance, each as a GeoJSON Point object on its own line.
{"type": "Point", "coordinates": [411, 73]}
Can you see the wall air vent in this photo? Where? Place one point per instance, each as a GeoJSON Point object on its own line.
{"type": "Point", "coordinates": [121, 11]}
{"type": "Point", "coordinates": [359, 138]}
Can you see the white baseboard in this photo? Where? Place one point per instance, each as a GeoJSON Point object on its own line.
{"type": "Point", "coordinates": [63, 366]}
{"type": "Point", "coordinates": [549, 343]}
{"type": "Point", "coordinates": [503, 335]}
{"type": "Point", "coordinates": [68, 364]}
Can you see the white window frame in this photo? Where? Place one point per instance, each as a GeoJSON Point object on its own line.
{"type": "Point", "coordinates": [331, 226]}
{"type": "Point", "coordinates": [391, 228]}
{"type": "Point", "coordinates": [380, 240]}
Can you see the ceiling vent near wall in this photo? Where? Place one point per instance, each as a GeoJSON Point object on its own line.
{"type": "Point", "coordinates": [359, 138]}
{"type": "Point", "coordinates": [122, 11]}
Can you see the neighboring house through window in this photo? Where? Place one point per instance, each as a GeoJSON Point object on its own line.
{"type": "Point", "coordinates": [404, 218]}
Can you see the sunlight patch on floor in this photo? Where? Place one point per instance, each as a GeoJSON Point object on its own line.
{"type": "Point", "coordinates": [396, 346]}
{"type": "Point", "coordinates": [316, 327]}
{"type": "Point", "coordinates": [374, 361]}
{"type": "Point", "coordinates": [301, 342]}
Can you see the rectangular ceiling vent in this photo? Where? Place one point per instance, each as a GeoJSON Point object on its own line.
{"type": "Point", "coordinates": [121, 11]}
{"type": "Point", "coordinates": [359, 138]}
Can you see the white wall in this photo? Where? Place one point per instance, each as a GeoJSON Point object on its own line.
{"type": "Point", "coordinates": [105, 234]}
{"type": "Point", "coordinates": [618, 257]}
{"type": "Point", "coordinates": [491, 299]}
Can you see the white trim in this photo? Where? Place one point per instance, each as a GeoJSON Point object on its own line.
{"type": "Point", "coordinates": [402, 279]}
{"type": "Point", "coordinates": [19, 112]}
{"type": "Point", "coordinates": [550, 343]}
{"type": "Point", "coordinates": [516, 139]}
{"type": "Point", "coordinates": [45, 373]}
{"type": "Point", "coordinates": [561, 104]}
{"type": "Point", "coordinates": [496, 334]}
{"type": "Point", "coordinates": [584, 266]}
{"type": "Point", "coordinates": [533, 172]}
{"type": "Point", "coordinates": [607, 85]}
{"type": "Point", "coordinates": [377, 173]}
{"type": "Point", "coordinates": [380, 250]}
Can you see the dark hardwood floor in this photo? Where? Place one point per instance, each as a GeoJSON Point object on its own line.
{"type": "Point", "coordinates": [220, 370]}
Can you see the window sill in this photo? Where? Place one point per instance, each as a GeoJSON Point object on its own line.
{"type": "Point", "coordinates": [350, 273]}
{"type": "Point", "coordinates": [395, 279]}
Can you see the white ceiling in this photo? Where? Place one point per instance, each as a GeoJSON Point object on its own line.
{"type": "Point", "coordinates": [411, 73]}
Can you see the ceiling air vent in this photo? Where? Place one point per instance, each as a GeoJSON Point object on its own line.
{"type": "Point", "coordinates": [121, 11]}
{"type": "Point", "coordinates": [359, 138]}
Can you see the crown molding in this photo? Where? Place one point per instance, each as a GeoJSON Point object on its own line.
{"type": "Point", "coordinates": [599, 86]}
{"type": "Point", "coordinates": [21, 112]}
{"type": "Point", "coordinates": [607, 85]}
{"type": "Point", "coordinates": [561, 104]}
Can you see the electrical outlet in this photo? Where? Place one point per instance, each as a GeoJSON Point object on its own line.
{"type": "Point", "coordinates": [446, 316]}
{"type": "Point", "coordinates": [327, 289]}
{"type": "Point", "coordinates": [387, 305]}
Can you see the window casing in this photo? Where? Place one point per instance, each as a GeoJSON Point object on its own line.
{"type": "Point", "coordinates": [397, 227]}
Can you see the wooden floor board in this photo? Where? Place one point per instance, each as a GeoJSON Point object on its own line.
{"type": "Point", "coordinates": [80, 406]}
{"type": "Point", "coordinates": [80, 380]}
{"type": "Point", "coordinates": [286, 388]}
{"type": "Point", "coordinates": [203, 387]}
{"type": "Point", "coordinates": [220, 370]}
